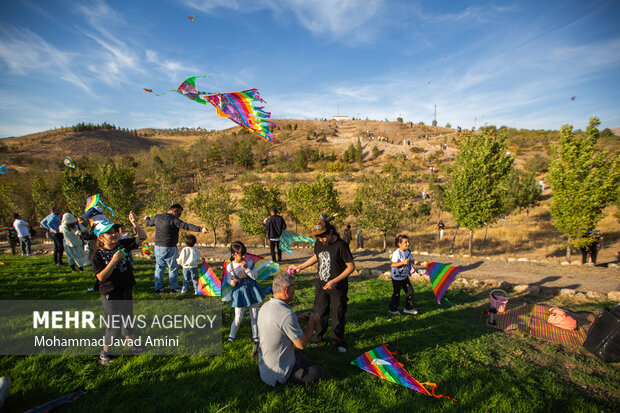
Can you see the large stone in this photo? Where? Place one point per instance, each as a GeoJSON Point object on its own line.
{"type": "Point", "coordinates": [365, 272]}
{"type": "Point", "coordinates": [580, 295]}
{"type": "Point", "coordinates": [505, 285]}
{"type": "Point", "coordinates": [565, 263]}
{"type": "Point", "coordinates": [523, 260]}
{"type": "Point", "coordinates": [612, 265]}
{"type": "Point", "coordinates": [491, 283]}
{"type": "Point", "coordinates": [475, 283]}
{"type": "Point", "coordinates": [376, 273]}
{"type": "Point", "coordinates": [594, 294]}
{"type": "Point", "coordinates": [521, 288]}
{"type": "Point", "coordinates": [568, 292]}
{"type": "Point", "coordinates": [424, 253]}
{"type": "Point", "coordinates": [613, 296]}
{"type": "Point", "coordinates": [511, 259]}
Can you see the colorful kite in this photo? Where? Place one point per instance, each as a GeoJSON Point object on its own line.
{"type": "Point", "coordinates": [146, 250]}
{"type": "Point", "coordinates": [93, 200]}
{"type": "Point", "coordinates": [192, 18]}
{"type": "Point", "coordinates": [208, 283]}
{"type": "Point", "coordinates": [3, 169]}
{"type": "Point", "coordinates": [381, 362]}
{"type": "Point", "coordinates": [288, 237]}
{"type": "Point", "coordinates": [240, 107]}
{"type": "Point", "coordinates": [441, 276]}
{"type": "Point", "coordinates": [69, 162]}
{"type": "Point", "coordinates": [264, 268]}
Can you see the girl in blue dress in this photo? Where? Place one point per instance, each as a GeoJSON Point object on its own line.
{"type": "Point", "coordinates": [246, 292]}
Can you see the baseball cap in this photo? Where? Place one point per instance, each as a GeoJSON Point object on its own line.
{"type": "Point", "coordinates": [104, 226]}
{"type": "Point", "coordinates": [319, 228]}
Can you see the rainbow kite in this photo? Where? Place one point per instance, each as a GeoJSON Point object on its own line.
{"type": "Point", "coordinates": [146, 250]}
{"type": "Point", "coordinates": [4, 228]}
{"type": "Point", "coordinates": [441, 276]}
{"type": "Point", "coordinates": [288, 237]}
{"type": "Point", "coordinates": [3, 169]}
{"type": "Point", "coordinates": [263, 267]}
{"type": "Point", "coordinates": [208, 283]}
{"type": "Point", "coordinates": [381, 362]}
{"type": "Point", "coordinates": [93, 200]}
{"type": "Point", "coordinates": [69, 162]}
{"type": "Point", "coordinates": [240, 107]}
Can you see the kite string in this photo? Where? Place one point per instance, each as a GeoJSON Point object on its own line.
{"type": "Point", "coordinates": [433, 386]}
{"type": "Point", "coordinates": [449, 302]}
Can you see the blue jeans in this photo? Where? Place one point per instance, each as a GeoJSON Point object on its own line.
{"type": "Point", "coordinates": [166, 256]}
{"type": "Point", "coordinates": [190, 275]}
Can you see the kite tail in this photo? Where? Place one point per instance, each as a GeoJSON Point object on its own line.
{"type": "Point", "coordinates": [160, 94]}
{"type": "Point", "coordinates": [433, 386]}
{"type": "Point", "coordinates": [107, 207]}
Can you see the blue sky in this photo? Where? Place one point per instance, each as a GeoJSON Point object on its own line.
{"type": "Point", "coordinates": [498, 63]}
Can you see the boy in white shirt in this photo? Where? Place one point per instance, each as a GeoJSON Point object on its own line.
{"type": "Point", "coordinates": [189, 259]}
{"type": "Point", "coordinates": [402, 262]}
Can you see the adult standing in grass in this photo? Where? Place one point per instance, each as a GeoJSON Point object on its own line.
{"type": "Point", "coordinates": [116, 280]}
{"type": "Point", "coordinates": [281, 338]}
{"type": "Point", "coordinates": [335, 264]}
{"type": "Point", "coordinates": [167, 226]}
{"type": "Point", "coordinates": [347, 236]}
{"type": "Point", "coordinates": [72, 232]}
{"type": "Point", "coordinates": [23, 233]}
{"type": "Point", "coordinates": [274, 225]}
{"type": "Point", "coordinates": [52, 224]}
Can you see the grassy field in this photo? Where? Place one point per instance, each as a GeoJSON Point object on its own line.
{"type": "Point", "coordinates": [484, 369]}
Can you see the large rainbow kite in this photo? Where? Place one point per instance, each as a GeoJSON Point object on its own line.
{"type": "Point", "coordinates": [69, 162]}
{"type": "Point", "coordinates": [240, 107]}
{"type": "Point", "coordinates": [208, 283]}
{"type": "Point", "coordinates": [441, 276]}
{"type": "Point", "coordinates": [381, 362]}
{"type": "Point", "coordinates": [289, 237]}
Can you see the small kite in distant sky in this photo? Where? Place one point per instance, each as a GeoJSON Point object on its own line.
{"type": "Point", "coordinates": [3, 169]}
{"type": "Point", "coordinates": [573, 98]}
{"type": "Point", "coordinates": [237, 106]}
{"type": "Point", "coordinates": [69, 162]}
{"type": "Point", "coordinates": [192, 18]}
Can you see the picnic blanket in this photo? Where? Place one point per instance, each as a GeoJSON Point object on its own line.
{"type": "Point", "coordinates": [532, 319]}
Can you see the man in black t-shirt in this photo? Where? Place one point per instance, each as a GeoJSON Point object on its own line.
{"type": "Point", "coordinates": [274, 225]}
{"type": "Point", "coordinates": [335, 264]}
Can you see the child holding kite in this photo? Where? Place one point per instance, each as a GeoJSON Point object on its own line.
{"type": "Point", "coordinates": [189, 260]}
{"type": "Point", "coordinates": [246, 292]}
{"type": "Point", "coordinates": [116, 280]}
{"type": "Point", "coordinates": [402, 262]}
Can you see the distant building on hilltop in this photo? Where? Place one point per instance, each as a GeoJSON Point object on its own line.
{"type": "Point", "coordinates": [340, 117]}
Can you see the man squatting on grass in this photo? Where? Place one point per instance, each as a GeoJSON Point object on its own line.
{"type": "Point", "coordinates": [279, 330]}
{"type": "Point", "coordinates": [332, 285]}
{"type": "Point", "coordinates": [167, 227]}
{"type": "Point", "coordinates": [112, 268]}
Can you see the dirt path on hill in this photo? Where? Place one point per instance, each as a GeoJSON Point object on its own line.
{"type": "Point", "coordinates": [581, 278]}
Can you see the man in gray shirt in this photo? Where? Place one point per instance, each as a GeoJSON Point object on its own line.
{"type": "Point", "coordinates": [279, 332]}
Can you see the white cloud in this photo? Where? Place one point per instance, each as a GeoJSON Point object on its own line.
{"type": "Point", "coordinates": [26, 53]}
{"type": "Point", "coordinates": [173, 69]}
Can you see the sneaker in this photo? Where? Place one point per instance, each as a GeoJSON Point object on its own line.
{"type": "Point", "coordinates": [255, 340]}
{"type": "Point", "coordinates": [183, 290]}
{"type": "Point", "coordinates": [230, 339]}
{"type": "Point", "coordinates": [395, 312]}
{"type": "Point", "coordinates": [157, 291]}
{"type": "Point", "coordinates": [105, 359]}
{"type": "Point", "coordinates": [5, 387]}
{"type": "Point", "coordinates": [342, 349]}
{"type": "Point", "coordinates": [90, 289]}
{"type": "Point", "coordinates": [255, 351]}
{"type": "Point", "coordinates": [413, 311]}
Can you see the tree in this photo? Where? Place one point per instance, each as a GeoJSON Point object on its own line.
{"type": "Point", "coordinates": [306, 202]}
{"type": "Point", "coordinates": [520, 191]}
{"type": "Point", "coordinates": [256, 204]}
{"type": "Point", "coordinates": [473, 190]}
{"type": "Point", "coordinates": [159, 187]}
{"type": "Point", "coordinates": [375, 151]}
{"type": "Point", "coordinates": [358, 154]}
{"type": "Point", "coordinates": [45, 195]}
{"type": "Point", "coordinates": [382, 202]}
{"type": "Point", "coordinates": [214, 206]}
{"type": "Point", "coordinates": [118, 189]}
{"type": "Point", "coordinates": [300, 161]}
{"type": "Point", "coordinates": [584, 179]}
{"type": "Point", "coordinates": [77, 187]}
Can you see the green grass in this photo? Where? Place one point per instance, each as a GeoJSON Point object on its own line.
{"type": "Point", "coordinates": [484, 369]}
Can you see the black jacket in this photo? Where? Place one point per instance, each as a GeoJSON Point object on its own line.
{"type": "Point", "coordinates": [167, 228]}
{"type": "Point", "coordinates": [275, 225]}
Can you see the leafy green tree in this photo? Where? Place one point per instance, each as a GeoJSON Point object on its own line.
{"type": "Point", "coordinates": [306, 202]}
{"type": "Point", "coordinates": [358, 154]}
{"type": "Point", "coordinates": [584, 180]}
{"type": "Point", "coordinates": [473, 190]}
{"type": "Point", "coordinates": [45, 195]}
{"type": "Point", "coordinates": [521, 191]}
{"type": "Point", "coordinates": [214, 205]}
{"type": "Point", "coordinates": [376, 151]}
{"type": "Point", "coordinates": [538, 163]}
{"type": "Point", "coordinates": [118, 189]}
{"type": "Point", "coordinates": [159, 187]}
{"type": "Point", "coordinates": [300, 161]}
{"type": "Point", "coordinates": [383, 202]}
{"type": "Point", "coordinates": [77, 186]}
{"type": "Point", "coordinates": [256, 204]}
